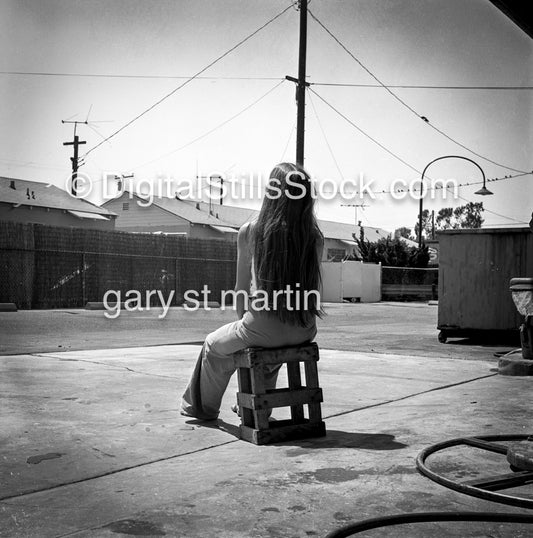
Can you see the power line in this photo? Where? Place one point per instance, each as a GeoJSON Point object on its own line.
{"type": "Point", "coordinates": [109, 75]}
{"type": "Point", "coordinates": [338, 84]}
{"type": "Point", "coordinates": [325, 137]}
{"type": "Point", "coordinates": [288, 141]}
{"type": "Point", "coordinates": [406, 105]}
{"type": "Point", "coordinates": [158, 102]}
{"type": "Point", "coordinates": [209, 131]}
{"type": "Point", "coordinates": [366, 134]}
{"type": "Point", "coordinates": [420, 86]}
{"type": "Point", "coordinates": [214, 128]}
{"type": "Point", "coordinates": [493, 212]}
{"type": "Point", "coordinates": [468, 184]}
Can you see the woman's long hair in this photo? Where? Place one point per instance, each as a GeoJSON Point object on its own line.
{"type": "Point", "coordinates": [287, 244]}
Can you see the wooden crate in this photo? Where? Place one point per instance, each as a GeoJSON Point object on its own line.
{"type": "Point", "coordinates": [256, 402]}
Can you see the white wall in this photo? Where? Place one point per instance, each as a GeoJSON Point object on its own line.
{"type": "Point", "coordinates": [351, 279]}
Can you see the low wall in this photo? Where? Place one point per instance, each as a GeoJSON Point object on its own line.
{"type": "Point", "coordinates": [351, 280]}
{"type": "Point", "coordinates": [409, 284]}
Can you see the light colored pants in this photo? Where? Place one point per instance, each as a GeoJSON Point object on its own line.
{"type": "Point", "coordinates": [214, 367]}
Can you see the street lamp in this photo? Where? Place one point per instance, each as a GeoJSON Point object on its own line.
{"type": "Point", "coordinates": [482, 192]}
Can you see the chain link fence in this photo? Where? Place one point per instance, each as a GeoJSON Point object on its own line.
{"type": "Point", "coordinates": [53, 267]}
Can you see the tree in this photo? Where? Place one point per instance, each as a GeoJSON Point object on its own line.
{"type": "Point", "coordinates": [426, 225]}
{"type": "Point", "coordinates": [403, 232]}
{"type": "Point", "coordinates": [391, 252]}
{"type": "Point", "coordinates": [471, 217]}
{"type": "Point", "coordinates": [465, 216]}
{"type": "Point", "coordinates": [444, 218]}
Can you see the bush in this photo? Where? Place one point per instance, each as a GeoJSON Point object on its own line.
{"type": "Point", "coordinates": [392, 252]}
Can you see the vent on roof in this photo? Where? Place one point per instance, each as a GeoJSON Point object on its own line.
{"type": "Point", "coordinates": [125, 206]}
{"type": "Point", "coordinates": [197, 205]}
{"type": "Point", "coordinates": [12, 185]}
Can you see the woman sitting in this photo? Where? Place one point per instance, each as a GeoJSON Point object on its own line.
{"type": "Point", "coordinates": [278, 281]}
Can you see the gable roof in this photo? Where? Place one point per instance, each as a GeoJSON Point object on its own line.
{"type": "Point", "coordinates": [346, 232]}
{"type": "Point", "coordinates": [234, 216]}
{"type": "Point", "coordinates": [38, 194]}
{"type": "Point", "coordinates": [180, 208]}
{"type": "Point", "coordinates": [237, 216]}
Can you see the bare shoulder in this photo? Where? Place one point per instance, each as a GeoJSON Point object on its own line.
{"type": "Point", "coordinates": [245, 233]}
{"type": "Point", "coordinates": [244, 236]}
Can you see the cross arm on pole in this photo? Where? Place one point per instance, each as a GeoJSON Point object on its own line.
{"type": "Point", "coordinates": [295, 80]}
{"type": "Point", "coordinates": [79, 142]}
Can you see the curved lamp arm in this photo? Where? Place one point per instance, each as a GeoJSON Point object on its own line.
{"type": "Point", "coordinates": [484, 190]}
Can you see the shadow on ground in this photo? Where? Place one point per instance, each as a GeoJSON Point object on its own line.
{"type": "Point", "coordinates": [333, 439]}
{"type": "Point", "coordinates": [341, 439]}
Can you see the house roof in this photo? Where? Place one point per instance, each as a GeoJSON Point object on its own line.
{"type": "Point", "coordinates": [237, 216]}
{"type": "Point", "coordinates": [229, 217]}
{"type": "Point", "coordinates": [38, 194]}
{"type": "Point", "coordinates": [346, 232]}
{"type": "Point", "coordinates": [234, 216]}
{"type": "Point", "coordinates": [183, 209]}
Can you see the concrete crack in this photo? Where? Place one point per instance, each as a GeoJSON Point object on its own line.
{"type": "Point", "coordinates": [114, 471]}
{"type": "Point", "coordinates": [116, 366]}
{"type": "Point", "coordinates": [168, 458]}
{"type": "Point", "coordinates": [409, 396]}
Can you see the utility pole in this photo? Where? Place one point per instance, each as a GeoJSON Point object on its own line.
{"type": "Point", "coordinates": [75, 160]}
{"type": "Point", "coordinates": [77, 142]}
{"type": "Point", "coordinates": [300, 122]}
{"type": "Point", "coordinates": [301, 84]}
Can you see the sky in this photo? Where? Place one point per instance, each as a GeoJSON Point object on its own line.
{"type": "Point", "coordinates": [238, 119]}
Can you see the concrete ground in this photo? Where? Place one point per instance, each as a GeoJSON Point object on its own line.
{"type": "Point", "coordinates": [92, 443]}
{"type": "Point", "coordinates": [390, 328]}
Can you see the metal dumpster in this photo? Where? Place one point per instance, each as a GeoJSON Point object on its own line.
{"type": "Point", "coordinates": [474, 272]}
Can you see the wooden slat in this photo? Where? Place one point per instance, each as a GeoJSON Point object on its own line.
{"type": "Point", "coordinates": [295, 382]}
{"type": "Point", "coordinates": [315, 412]}
{"type": "Point", "coordinates": [261, 419]}
{"type": "Point", "coordinates": [280, 398]}
{"type": "Point", "coordinates": [241, 359]}
{"type": "Point", "coordinates": [283, 433]}
{"type": "Point", "coordinates": [257, 375]}
{"type": "Point", "coordinates": [311, 374]}
{"type": "Point", "coordinates": [311, 380]}
{"type": "Point", "coordinates": [245, 386]}
{"type": "Point", "coordinates": [252, 356]}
